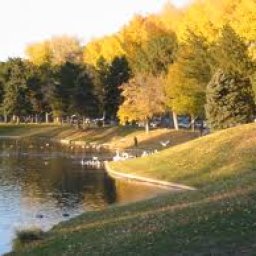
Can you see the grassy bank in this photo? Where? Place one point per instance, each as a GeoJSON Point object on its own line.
{"type": "Point", "coordinates": [26, 130]}
{"type": "Point", "coordinates": [114, 137]}
{"type": "Point", "coordinates": [217, 219]}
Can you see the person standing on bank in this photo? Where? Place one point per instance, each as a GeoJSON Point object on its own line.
{"type": "Point", "coordinates": [135, 145]}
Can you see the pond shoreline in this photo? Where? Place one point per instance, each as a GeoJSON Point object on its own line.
{"type": "Point", "coordinates": [159, 183]}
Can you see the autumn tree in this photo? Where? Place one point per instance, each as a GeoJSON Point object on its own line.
{"type": "Point", "coordinates": [156, 55]}
{"type": "Point", "coordinates": [187, 78]}
{"type": "Point", "coordinates": [108, 48]}
{"type": "Point", "coordinates": [56, 51]}
{"type": "Point", "coordinates": [38, 53]}
{"type": "Point", "coordinates": [148, 45]}
{"type": "Point", "coordinates": [143, 97]}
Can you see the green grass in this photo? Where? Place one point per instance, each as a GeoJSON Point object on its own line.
{"type": "Point", "coordinates": [217, 219]}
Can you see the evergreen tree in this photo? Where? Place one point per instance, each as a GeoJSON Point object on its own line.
{"type": "Point", "coordinates": [194, 57]}
{"type": "Point", "coordinates": [2, 80]}
{"type": "Point", "coordinates": [107, 79]}
{"type": "Point", "coordinates": [16, 101]}
{"type": "Point", "coordinates": [35, 94]}
{"type": "Point", "coordinates": [48, 80]}
{"type": "Point", "coordinates": [230, 53]}
{"type": "Point", "coordinates": [230, 100]}
{"type": "Point", "coordinates": [100, 75]}
{"type": "Point", "coordinates": [84, 102]}
{"type": "Point", "coordinates": [119, 73]}
{"type": "Point", "coordinates": [230, 97]}
{"type": "Point", "coordinates": [64, 84]}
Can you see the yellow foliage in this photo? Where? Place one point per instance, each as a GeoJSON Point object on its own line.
{"type": "Point", "coordinates": [107, 47]}
{"type": "Point", "coordinates": [65, 48]}
{"type": "Point", "coordinates": [208, 16]}
{"type": "Point", "coordinates": [139, 32]}
{"type": "Point", "coordinates": [143, 97]}
{"type": "Point", "coordinates": [38, 53]}
{"type": "Point", "coordinates": [184, 95]}
{"type": "Point", "coordinates": [56, 50]}
{"type": "Point", "coordinates": [244, 21]}
{"type": "Point", "coordinates": [170, 16]}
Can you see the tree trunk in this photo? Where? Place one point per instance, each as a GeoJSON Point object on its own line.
{"type": "Point", "coordinates": [36, 119]}
{"type": "Point", "coordinates": [103, 117]}
{"type": "Point", "coordinates": [147, 126]}
{"type": "Point", "coordinates": [57, 119]}
{"type": "Point", "coordinates": [47, 118]}
{"type": "Point", "coordinates": [192, 123]}
{"type": "Point", "coordinates": [5, 118]}
{"type": "Point", "coordinates": [175, 121]}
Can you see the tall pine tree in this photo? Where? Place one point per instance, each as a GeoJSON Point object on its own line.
{"type": "Point", "coordinates": [230, 97]}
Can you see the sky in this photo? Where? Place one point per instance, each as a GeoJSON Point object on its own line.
{"type": "Point", "coordinates": [27, 21]}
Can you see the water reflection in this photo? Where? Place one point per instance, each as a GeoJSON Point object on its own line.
{"type": "Point", "coordinates": [42, 184]}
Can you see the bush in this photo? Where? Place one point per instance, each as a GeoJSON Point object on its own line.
{"type": "Point", "coordinates": [25, 237]}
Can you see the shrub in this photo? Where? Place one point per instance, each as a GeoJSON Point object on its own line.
{"type": "Point", "coordinates": [25, 237]}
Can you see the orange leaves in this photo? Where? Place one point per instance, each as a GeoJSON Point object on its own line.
{"type": "Point", "coordinates": [143, 97]}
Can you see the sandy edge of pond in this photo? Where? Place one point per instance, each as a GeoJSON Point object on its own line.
{"type": "Point", "coordinates": [162, 184]}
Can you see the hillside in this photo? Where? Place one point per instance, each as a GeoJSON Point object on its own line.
{"type": "Point", "coordinates": [219, 218]}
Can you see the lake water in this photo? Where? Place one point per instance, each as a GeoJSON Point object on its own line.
{"type": "Point", "coordinates": [43, 183]}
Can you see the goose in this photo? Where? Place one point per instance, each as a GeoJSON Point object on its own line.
{"type": "Point", "coordinates": [144, 153]}
{"type": "Point", "coordinates": [117, 157]}
{"type": "Point", "coordinates": [83, 162]}
{"type": "Point", "coordinates": [39, 216]}
{"type": "Point", "coordinates": [95, 158]}
{"type": "Point", "coordinates": [165, 143]}
{"type": "Point", "coordinates": [96, 163]}
{"type": "Point", "coordinates": [125, 155]}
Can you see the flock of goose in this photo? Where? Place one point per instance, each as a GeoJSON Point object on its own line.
{"type": "Point", "coordinates": [95, 162]}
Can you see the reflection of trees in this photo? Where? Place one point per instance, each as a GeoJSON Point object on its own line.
{"type": "Point", "coordinates": [110, 192]}
{"type": "Point", "coordinates": [60, 180]}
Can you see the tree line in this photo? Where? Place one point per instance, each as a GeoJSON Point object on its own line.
{"type": "Point", "coordinates": [197, 61]}
{"type": "Point", "coordinates": [31, 92]}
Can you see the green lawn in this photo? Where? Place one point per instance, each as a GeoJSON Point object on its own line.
{"type": "Point", "coordinates": [217, 219]}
